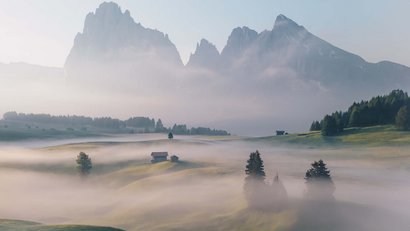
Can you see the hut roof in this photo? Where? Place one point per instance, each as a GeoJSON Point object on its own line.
{"type": "Point", "coordinates": [159, 154]}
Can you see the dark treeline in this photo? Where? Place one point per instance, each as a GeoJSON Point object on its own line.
{"type": "Point", "coordinates": [144, 124]}
{"type": "Point", "coordinates": [380, 110]}
{"type": "Point", "coordinates": [181, 129]}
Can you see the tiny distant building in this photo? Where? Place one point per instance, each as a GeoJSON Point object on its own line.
{"type": "Point", "coordinates": [280, 133]}
{"type": "Point", "coordinates": [170, 136]}
{"type": "Point", "coordinates": [159, 157]}
{"type": "Point", "coordinates": [174, 158]}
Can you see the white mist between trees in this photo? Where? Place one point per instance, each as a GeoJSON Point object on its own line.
{"type": "Point", "coordinates": [124, 190]}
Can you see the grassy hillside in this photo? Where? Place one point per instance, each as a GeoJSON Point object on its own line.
{"type": "Point", "coordinates": [368, 136]}
{"type": "Point", "coordinates": [12, 131]}
{"type": "Point", "coordinates": [205, 190]}
{"type": "Point", "coordinates": [19, 225]}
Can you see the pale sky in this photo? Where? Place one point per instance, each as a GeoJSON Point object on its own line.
{"type": "Point", "coordinates": [42, 31]}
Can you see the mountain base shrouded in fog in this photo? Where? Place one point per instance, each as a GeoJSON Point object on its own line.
{"type": "Point", "coordinates": [280, 78]}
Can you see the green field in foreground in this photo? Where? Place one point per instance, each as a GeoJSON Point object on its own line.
{"type": "Point", "coordinates": [19, 225]}
{"type": "Point", "coordinates": [368, 136]}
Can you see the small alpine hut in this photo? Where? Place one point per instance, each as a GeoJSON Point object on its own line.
{"type": "Point", "coordinates": [281, 133]}
{"type": "Point", "coordinates": [159, 157]}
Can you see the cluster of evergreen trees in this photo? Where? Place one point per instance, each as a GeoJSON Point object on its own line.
{"type": "Point", "coordinates": [261, 195]}
{"type": "Point", "coordinates": [181, 129]}
{"type": "Point", "coordinates": [73, 120]}
{"type": "Point", "coordinates": [143, 123]}
{"type": "Point", "coordinates": [380, 110]}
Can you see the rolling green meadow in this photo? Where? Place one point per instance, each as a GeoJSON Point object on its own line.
{"type": "Point", "coordinates": [42, 190]}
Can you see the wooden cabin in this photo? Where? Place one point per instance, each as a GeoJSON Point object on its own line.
{"type": "Point", "coordinates": [280, 133]}
{"type": "Point", "coordinates": [159, 157]}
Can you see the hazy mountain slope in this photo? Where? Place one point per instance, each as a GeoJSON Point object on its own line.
{"type": "Point", "coordinates": [206, 55]}
{"type": "Point", "coordinates": [112, 41]}
{"type": "Point", "coordinates": [281, 78]}
{"type": "Point", "coordinates": [112, 45]}
{"type": "Point", "coordinates": [290, 50]}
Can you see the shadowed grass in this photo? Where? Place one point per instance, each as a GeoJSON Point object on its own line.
{"type": "Point", "coordinates": [19, 225]}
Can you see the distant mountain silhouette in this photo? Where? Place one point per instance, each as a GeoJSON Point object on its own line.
{"type": "Point", "coordinates": [289, 49]}
{"type": "Point", "coordinates": [206, 55]}
{"type": "Point", "coordinates": [111, 39]}
{"type": "Point", "coordinates": [115, 46]}
{"type": "Point", "coordinates": [281, 78]}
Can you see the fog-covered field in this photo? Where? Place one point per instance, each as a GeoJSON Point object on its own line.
{"type": "Point", "coordinates": [39, 182]}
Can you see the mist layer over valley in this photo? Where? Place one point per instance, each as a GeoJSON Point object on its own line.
{"type": "Point", "coordinates": [204, 190]}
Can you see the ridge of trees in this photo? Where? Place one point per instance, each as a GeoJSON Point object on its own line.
{"type": "Point", "coordinates": [379, 110]}
{"type": "Point", "coordinates": [145, 123]}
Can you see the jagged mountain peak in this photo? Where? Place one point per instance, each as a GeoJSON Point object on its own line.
{"type": "Point", "coordinates": [204, 41]}
{"type": "Point", "coordinates": [239, 40]}
{"type": "Point", "coordinates": [282, 22]}
{"type": "Point", "coordinates": [242, 32]}
{"type": "Point", "coordinates": [205, 44]}
{"type": "Point", "coordinates": [205, 55]}
{"type": "Point", "coordinates": [111, 36]}
{"type": "Point", "coordinates": [107, 17]}
{"type": "Point", "coordinates": [108, 7]}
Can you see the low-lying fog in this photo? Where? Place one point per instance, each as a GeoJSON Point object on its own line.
{"type": "Point", "coordinates": [41, 183]}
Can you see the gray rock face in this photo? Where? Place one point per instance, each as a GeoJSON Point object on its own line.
{"type": "Point", "coordinates": [239, 41]}
{"type": "Point", "coordinates": [289, 49]}
{"type": "Point", "coordinates": [111, 37]}
{"type": "Point", "coordinates": [113, 44]}
{"type": "Point", "coordinates": [206, 55]}
{"type": "Point", "coordinates": [274, 74]}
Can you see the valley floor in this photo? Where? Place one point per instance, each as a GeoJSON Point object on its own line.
{"type": "Point", "coordinates": [204, 191]}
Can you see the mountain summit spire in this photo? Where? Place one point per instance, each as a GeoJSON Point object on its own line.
{"type": "Point", "coordinates": [206, 55]}
{"type": "Point", "coordinates": [284, 22]}
{"type": "Point", "coordinates": [110, 39]}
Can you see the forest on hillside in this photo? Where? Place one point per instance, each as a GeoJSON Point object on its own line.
{"type": "Point", "coordinates": [393, 108]}
{"type": "Point", "coordinates": [133, 124]}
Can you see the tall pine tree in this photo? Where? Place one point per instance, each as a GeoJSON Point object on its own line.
{"type": "Point", "coordinates": [84, 164]}
{"type": "Point", "coordinates": [403, 119]}
{"type": "Point", "coordinates": [329, 126]}
{"type": "Point", "coordinates": [254, 168]}
{"type": "Point", "coordinates": [319, 182]}
{"type": "Point", "coordinates": [255, 187]}
{"type": "Point", "coordinates": [315, 126]}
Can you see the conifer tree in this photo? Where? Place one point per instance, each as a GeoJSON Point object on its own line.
{"type": "Point", "coordinates": [255, 187]}
{"type": "Point", "coordinates": [319, 181]}
{"type": "Point", "coordinates": [318, 171]}
{"type": "Point", "coordinates": [254, 168]}
{"type": "Point", "coordinates": [84, 164]}
{"type": "Point", "coordinates": [329, 126]}
{"type": "Point", "coordinates": [315, 126]}
{"type": "Point", "coordinates": [403, 119]}
{"type": "Point", "coordinates": [159, 127]}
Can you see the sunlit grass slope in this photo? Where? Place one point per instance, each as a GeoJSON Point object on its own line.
{"type": "Point", "coordinates": [18, 225]}
{"type": "Point", "coordinates": [147, 170]}
{"type": "Point", "coordinates": [368, 136]}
